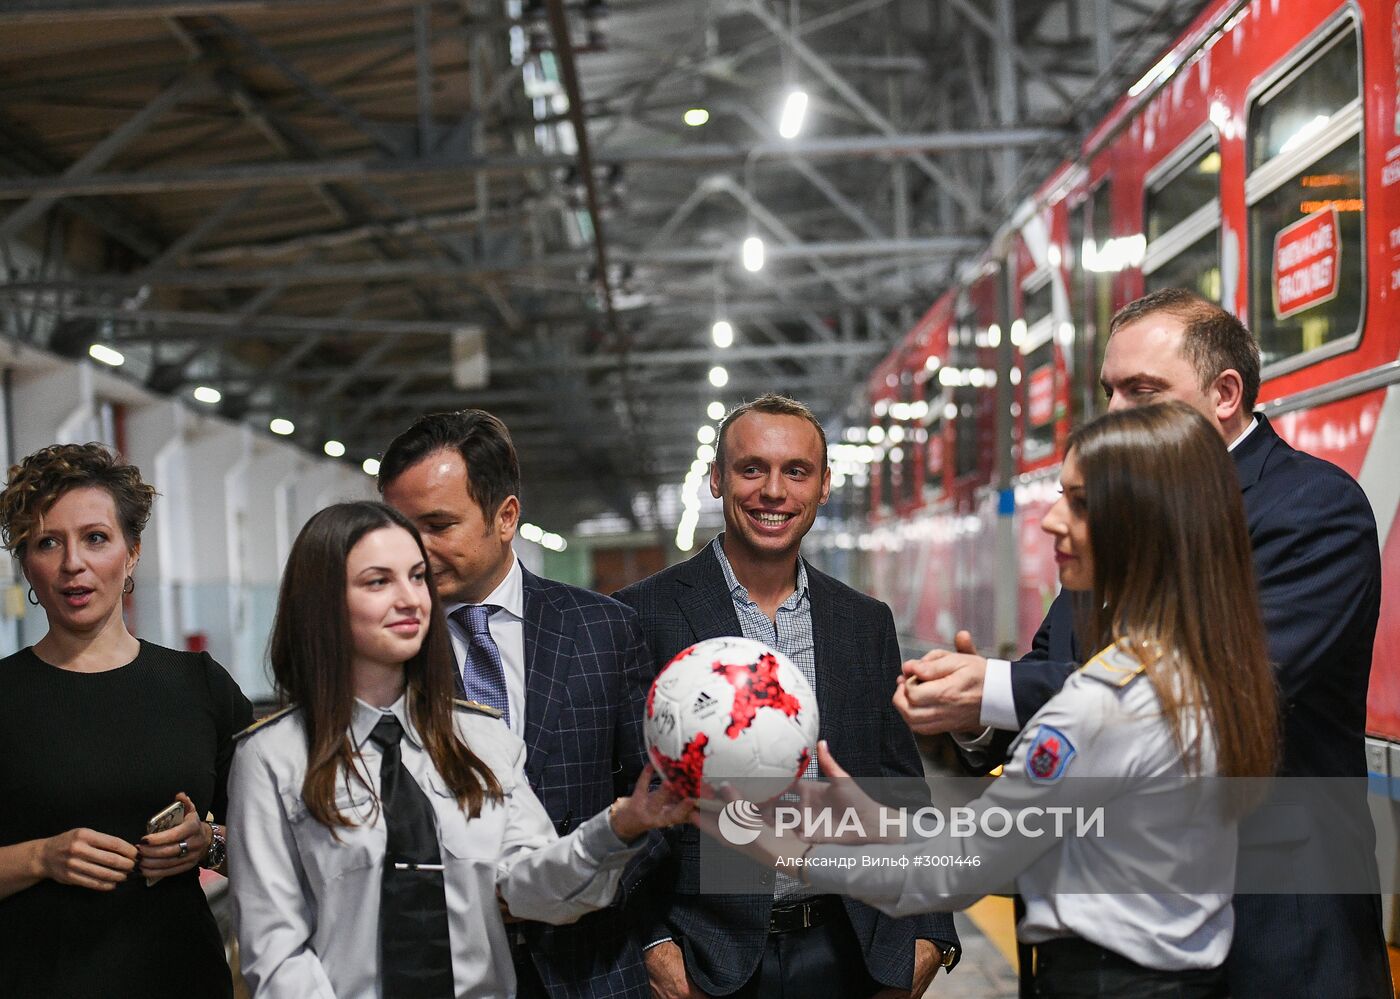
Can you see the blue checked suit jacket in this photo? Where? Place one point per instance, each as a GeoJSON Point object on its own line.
{"type": "Point", "coordinates": [587, 672]}
{"type": "Point", "coordinates": [857, 661]}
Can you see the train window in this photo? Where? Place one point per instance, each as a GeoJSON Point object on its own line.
{"type": "Point", "coordinates": [911, 452]}
{"type": "Point", "coordinates": [1084, 383]}
{"type": "Point", "coordinates": [1100, 310]}
{"type": "Point", "coordinates": [889, 470]}
{"type": "Point", "coordinates": [935, 399]}
{"type": "Point", "coordinates": [933, 457]}
{"type": "Point", "coordinates": [1037, 345]}
{"type": "Point", "coordinates": [1183, 222]}
{"type": "Point", "coordinates": [1306, 217]}
{"type": "Point", "coordinates": [1189, 184]}
{"type": "Point", "coordinates": [1197, 267]}
{"type": "Point", "coordinates": [1301, 104]}
{"type": "Point", "coordinates": [967, 450]}
{"type": "Point", "coordinates": [1036, 301]}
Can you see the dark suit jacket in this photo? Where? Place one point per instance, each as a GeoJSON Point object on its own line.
{"type": "Point", "coordinates": [587, 672]}
{"type": "Point", "coordinates": [857, 662]}
{"type": "Point", "coordinates": [1319, 571]}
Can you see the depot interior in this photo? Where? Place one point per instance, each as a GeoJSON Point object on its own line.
{"type": "Point", "coordinates": [247, 243]}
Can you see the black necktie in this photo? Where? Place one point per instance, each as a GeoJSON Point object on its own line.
{"type": "Point", "coordinates": [415, 957]}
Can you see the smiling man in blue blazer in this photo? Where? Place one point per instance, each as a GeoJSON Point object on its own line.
{"type": "Point", "coordinates": [566, 668]}
{"type": "Point", "coordinates": [1318, 566]}
{"type": "Point", "coordinates": [777, 939]}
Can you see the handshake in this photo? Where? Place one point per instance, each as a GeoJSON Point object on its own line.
{"type": "Point", "coordinates": [942, 692]}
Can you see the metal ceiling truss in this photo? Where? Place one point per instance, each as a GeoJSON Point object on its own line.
{"type": "Point", "coordinates": [302, 208]}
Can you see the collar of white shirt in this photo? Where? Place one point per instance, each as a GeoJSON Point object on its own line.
{"type": "Point", "coordinates": [1254, 422]}
{"type": "Point", "coordinates": [363, 718]}
{"type": "Point", "coordinates": [509, 594]}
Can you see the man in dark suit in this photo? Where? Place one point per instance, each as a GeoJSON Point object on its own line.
{"type": "Point", "coordinates": [566, 668]}
{"type": "Point", "coordinates": [771, 475]}
{"type": "Point", "coordinates": [1318, 567]}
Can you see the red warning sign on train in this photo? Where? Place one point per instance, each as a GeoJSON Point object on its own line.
{"type": "Point", "coordinates": [1042, 395]}
{"type": "Point", "coordinates": [1307, 258]}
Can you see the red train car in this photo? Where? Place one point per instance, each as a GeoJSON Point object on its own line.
{"type": "Point", "coordinates": [1257, 162]}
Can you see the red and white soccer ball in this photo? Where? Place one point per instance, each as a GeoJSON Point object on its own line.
{"type": "Point", "coordinates": [731, 711]}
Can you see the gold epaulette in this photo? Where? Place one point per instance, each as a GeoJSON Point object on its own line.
{"type": "Point", "coordinates": [477, 706]}
{"type": "Point", "coordinates": [267, 720]}
{"type": "Point", "coordinates": [1114, 667]}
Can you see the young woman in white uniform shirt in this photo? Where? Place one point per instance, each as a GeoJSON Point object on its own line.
{"type": "Point", "coordinates": [1151, 527]}
{"type": "Point", "coordinates": [384, 827]}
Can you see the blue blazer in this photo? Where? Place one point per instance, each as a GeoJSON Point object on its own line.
{"type": "Point", "coordinates": [857, 662]}
{"type": "Point", "coordinates": [1319, 572]}
{"type": "Point", "coordinates": [587, 672]}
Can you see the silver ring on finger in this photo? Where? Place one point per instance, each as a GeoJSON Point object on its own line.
{"type": "Point", "coordinates": [184, 848]}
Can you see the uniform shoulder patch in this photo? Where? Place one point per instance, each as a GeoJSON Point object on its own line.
{"type": "Point", "coordinates": [1114, 667]}
{"type": "Point", "coordinates": [477, 706]}
{"type": "Point", "coordinates": [1049, 755]}
{"type": "Point", "coordinates": [265, 721]}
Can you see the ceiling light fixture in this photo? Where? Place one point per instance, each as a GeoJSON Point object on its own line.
{"type": "Point", "coordinates": [752, 254]}
{"type": "Point", "coordinates": [794, 110]}
{"type": "Point", "coordinates": [101, 352]}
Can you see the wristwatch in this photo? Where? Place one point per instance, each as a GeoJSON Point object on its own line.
{"type": "Point", "coordinates": [217, 853]}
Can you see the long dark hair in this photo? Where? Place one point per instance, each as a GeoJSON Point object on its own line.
{"type": "Point", "coordinates": [1174, 577]}
{"type": "Point", "coordinates": [311, 651]}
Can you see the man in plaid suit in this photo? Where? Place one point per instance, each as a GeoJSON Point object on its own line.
{"type": "Point", "coordinates": [778, 939]}
{"type": "Point", "coordinates": [566, 668]}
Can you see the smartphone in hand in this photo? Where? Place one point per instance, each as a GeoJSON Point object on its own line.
{"type": "Point", "coordinates": [167, 818]}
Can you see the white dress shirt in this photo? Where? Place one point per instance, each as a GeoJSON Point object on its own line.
{"type": "Point", "coordinates": [998, 703]}
{"type": "Point", "coordinates": [306, 904]}
{"type": "Point", "coordinates": [508, 630]}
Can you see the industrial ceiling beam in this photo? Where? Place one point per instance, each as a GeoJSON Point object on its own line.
{"type": "Point", "coordinates": [19, 11]}
{"type": "Point", "coordinates": [343, 169]}
{"type": "Point", "coordinates": [613, 362]}
{"type": "Point", "coordinates": [740, 386]}
{"type": "Point", "coordinates": [311, 273]}
{"type": "Point", "coordinates": [868, 111]}
{"type": "Point", "coordinates": [157, 325]}
{"type": "Point", "coordinates": [189, 83]}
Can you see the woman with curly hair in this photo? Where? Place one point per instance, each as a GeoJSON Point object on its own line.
{"type": "Point", "coordinates": [102, 732]}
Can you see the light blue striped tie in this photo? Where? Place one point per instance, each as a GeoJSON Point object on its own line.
{"type": "Point", "coordinates": [483, 674]}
